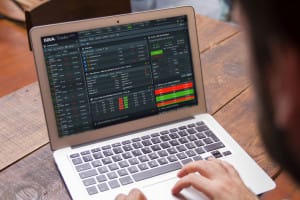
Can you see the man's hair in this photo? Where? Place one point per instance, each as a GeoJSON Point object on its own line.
{"type": "Point", "coordinates": [271, 21]}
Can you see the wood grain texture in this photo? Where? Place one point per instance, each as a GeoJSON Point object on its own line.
{"type": "Point", "coordinates": [16, 61]}
{"type": "Point", "coordinates": [239, 118]}
{"type": "Point", "coordinates": [225, 72]}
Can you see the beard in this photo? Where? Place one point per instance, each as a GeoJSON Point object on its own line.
{"type": "Point", "coordinates": [274, 137]}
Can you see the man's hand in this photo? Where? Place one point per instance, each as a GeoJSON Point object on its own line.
{"type": "Point", "coordinates": [217, 179]}
{"type": "Point", "coordinates": [134, 194]}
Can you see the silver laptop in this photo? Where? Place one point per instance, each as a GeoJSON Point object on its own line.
{"type": "Point", "coordinates": [125, 108]}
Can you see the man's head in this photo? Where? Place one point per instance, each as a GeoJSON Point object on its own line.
{"type": "Point", "coordinates": [274, 38]}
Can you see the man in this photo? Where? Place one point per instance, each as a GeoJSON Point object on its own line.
{"type": "Point", "coordinates": [274, 41]}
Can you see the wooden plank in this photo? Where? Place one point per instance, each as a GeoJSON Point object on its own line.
{"type": "Point", "coordinates": [225, 72]}
{"type": "Point", "coordinates": [239, 119]}
{"type": "Point", "coordinates": [16, 66]}
{"type": "Point", "coordinates": [212, 32]}
{"type": "Point", "coordinates": [35, 177]}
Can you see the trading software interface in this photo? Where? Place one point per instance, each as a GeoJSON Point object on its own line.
{"type": "Point", "coordinates": [115, 74]}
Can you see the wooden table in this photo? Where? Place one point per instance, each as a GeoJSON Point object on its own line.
{"type": "Point", "coordinates": [228, 91]}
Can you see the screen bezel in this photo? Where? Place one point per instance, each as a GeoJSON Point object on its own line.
{"type": "Point", "coordinates": [58, 142]}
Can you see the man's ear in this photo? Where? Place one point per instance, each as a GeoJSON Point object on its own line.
{"type": "Point", "coordinates": [283, 78]}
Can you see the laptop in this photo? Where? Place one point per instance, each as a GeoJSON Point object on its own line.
{"type": "Point", "coordinates": [125, 108]}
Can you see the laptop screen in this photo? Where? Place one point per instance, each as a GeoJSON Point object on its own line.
{"type": "Point", "coordinates": [110, 75]}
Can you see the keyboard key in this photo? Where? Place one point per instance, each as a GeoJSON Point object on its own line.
{"type": "Point", "coordinates": [85, 152]}
{"type": "Point", "coordinates": [127, 155]}
{"type": "Point", "coordinates": [126, 142]}
{"type": "Point", "coordinates": [136, 139]}
{"type": "Point", "coordinates": [226, 153]}
{"type": "Point", "coordinates": [154, 134]}
{"type": "Point", "coordinates": [202, 128]}
{"type": "Point", "coordinates": [125, 180]}
{"type": "Point", "coordinates": [186, 161]}
{"type": "Point", "coordinates": [89, 181]}
{"type": "Point", "coordinates": [96, 163]}
{"type": "Point", "coordinates": [156, 171]}
{"type": "Point", "coordinates": [165, 145]}
{"type": "Point", "coordinates": [113, 184]}
{"type": "Point", "coordinates": [83, 167]}
{"type": "Point", "coordinates": [173, 130]}
{"type": "Point", "coordinates": [146, 143]}
{"type": "Point", "coordinates": [113, 167]}
{"type": "Point", "coordinates": [155, 148]}
{"type": "Point", "coordinates": [106, 147]}
{"type": "Point", "coordinates": [97, 155]}
{"type": "Point", "coordinates": [123, 164]}
{"type": "Point", "coordinates": [216, 154]}
{"type": "Point", "coordinates": [136, 152]}
{"type": "Point", "coordinates": [152, 163]}
{"type": "Point", "coordinates": [173, 135]}
{"type": "Point", "coordinates": [199, 143]}
{"type": "Point", "coordinates": [165, 138]}
{"type": "Point", "coordinates": [108, 152]}
{"type": "Point", "coordinates": [92, 190]}
{"type": "Point", "coordinates": [143, 158]}
{"type": "Point", "coordinates": [183, 140]}
{"type": "Point", "coordinates": [190, 153]}
{"type": "Point", "coordinates": [190, 145]}
{"type": "Point", "coordinates": [196, 158]}
{"type": "Point", "coordinates": [181, 156]}
{"type": "Point", "coordinates": [192, 138]}
{"type": "Point", "coordinates": [214, 146]}
{"type": "Point", "coordinates": [152, 156]}
{"type": "Point", "coordinates": [101, 178]}
{"type": "Point", "coordinates": [106, 161]}
{"type": "Point", "coordinates": [74, 155]}
{"type": "Point", "coordinates": [200, 123]}
{"type": "Point", "coordinates": [137, 145]}
{"type": "Point", "coordinates": [182, 133]}
{"type": "Point", "coordinates": [118, 150]}
{"type": "Point", "coordinates": [146, 150]}
{"type": "Point", "coordinates": [77, 161]}
{"type": "Point", "coordinates": [102, 170]}
{"type": "Point", "coordinates": [87, 174]}
{"type": "Point", "coordinates": [116, 144]}
{"type": "Point", "coordinates": [122, 172]}
{"type": "Point", "coordinates": [207, 140]}
{"type": "Point", "coordinates": [112, 175]}
{"type": "Point", "coordinates": [162, 153]}
{"type": "Point", "coordinates": [87, 158]}
{"type": "Point", "coordinates": [200, 135]}
{"type": "Point", "coordinates": [172, 150]}
{"type": "Point", "coordinates": [142, 166]}
{"type": "Point", "coordinates": [103, 187]}
{"type": "Point", "coordinates": [155, 140]}
{"type": "Point", "coordinates": [182, 127]}
{"type": "Point", "coordinates": [191, 125]}
{"type": "Point", "coordinates": [117, 158]}
{"type": "Point", "coordinates": [96, 150]}
{"type": "Point", "coordinates": [191, 131]}
{"type": "Point", "coordinates": [133, 161]}
{"type": "Point", "coordinates": [127, 148]}
{"type": "Point", "coordinates": [133, 169]}
{"type": "Point", "coordinates": [174, 142]}
{"type": "Point", "coordinates": [181, 148]}
{"type": "Point", "coordinates": [162, 161]}
{"type": "Point", "coordinates": [212, 135]}
{"type": "Point", "coordinates": [199, 150]}
{"type": "Point", "coordinates": [172, 158]}
{"type": "Point", "coordinates": [164, 132]}
{"type": "Point", "coordinates": [146, 137]}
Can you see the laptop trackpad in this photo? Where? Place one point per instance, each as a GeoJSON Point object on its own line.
{"type": "Point", "coordinates": [162, 190]}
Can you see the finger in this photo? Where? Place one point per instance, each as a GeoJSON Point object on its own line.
{"type": "Point", "coordinates": [197, 181]}
{"type": "Point", "coordinates": [136, 194]}
{"type": "Point", "coordinates": [205, 168]}
{"type": "Point", "coordinates": [230, 169]}
{"type": "Point", "coordinates": [121, 197]}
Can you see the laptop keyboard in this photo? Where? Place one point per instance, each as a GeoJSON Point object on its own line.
{"type": "Point", "coordinates": [111, 166]}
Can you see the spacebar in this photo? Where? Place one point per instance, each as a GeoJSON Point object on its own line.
{"type": "Point", "coordinates": [156, 171]}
